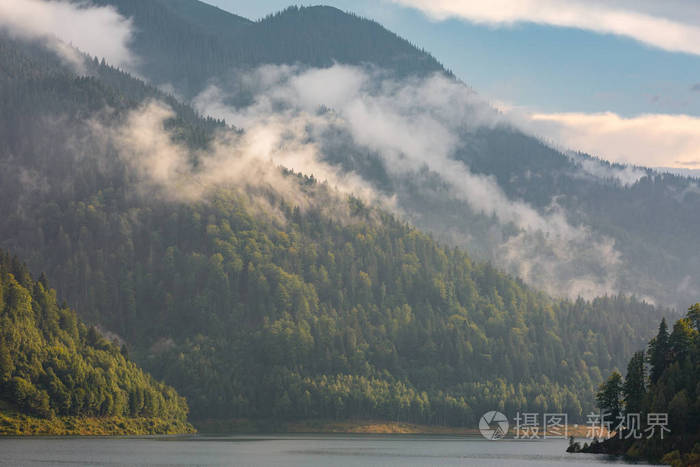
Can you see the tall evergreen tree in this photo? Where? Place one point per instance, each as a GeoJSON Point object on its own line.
{"type": "Point", "coordinates": [634, 388]}
{"type": "Point", "coordinates": [659, 352]}
{"type": "Point", "coordinates": [681, 340]}
{"type": "Point", "coordinates": [694, 316]}
{"type": "Point", "coordinates": [609, 397]}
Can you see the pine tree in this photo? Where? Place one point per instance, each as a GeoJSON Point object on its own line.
{"type": "Point", "coordinates": [634, 388]}
{"type": "Point", "coordinates": [694, 316]}
{"type": "Point", "coordinates": [658, 352]}
{"type": "Point", "coordinates": [680, 341]}
{"type": "Point", "coordinates": [609, 397]}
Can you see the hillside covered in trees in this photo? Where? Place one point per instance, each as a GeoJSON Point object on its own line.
{"type": "Point", "coordinates": [53, 365]}
{"type": "Point", "coordinates": [663, 380]}
{"type": "Point", "coordinates": [259, 303]}
{"type": "Point", "coordinates": [189, 42]}
{"type": "Point", "coordinates": [188, 46]}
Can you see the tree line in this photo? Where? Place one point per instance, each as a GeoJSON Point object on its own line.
{"type": "Point", "coordinates": [664, 379]}
{"type": "Point", "coordinates": [283, 311]}
{"type": "Point", "coordinates": [52, 364]}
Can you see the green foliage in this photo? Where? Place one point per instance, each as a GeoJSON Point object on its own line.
{"type": "Point", "coordinates": [52, 364]}
{"type": "Point", "coordinates": [694, 316]}
{"type": "Point", "coordinates": [375, 302]}
{"type": "Point", "coordinates": [634, 389]}
{"type": "Point", "coordinates": [16, 423]}
{"type": "Point", "coordinates": [609, 396]}
{"type": "Point", "coordinates": [186, 43]}
{"type": "Point", "coordinates": [277, 312]}
{"type": "Point", "coordinates": [26, 396]}
{"type": "Point", "coordinates": [674, 390]}
{"type": "Point", "coordinates": [659, 352]}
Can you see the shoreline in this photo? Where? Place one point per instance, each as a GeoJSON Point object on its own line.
{"type": "Point", "coordinates": [355, 426]}
{"type": "Point", "coordinates": [320, 426]}
{"type": "Point", "coordinates": [17, 424]}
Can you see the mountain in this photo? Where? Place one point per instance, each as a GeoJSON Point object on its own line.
{"type": "Point", "coordinates": [184, 43]}
{"type": "Point", "coordinates": [259, 292]}
{"type": "Point", "coordinates": [623, 229]}
{"type": "Point", "coordinates": [52, 364]}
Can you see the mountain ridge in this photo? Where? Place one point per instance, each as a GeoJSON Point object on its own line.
{"type": "Point", "coordinates": [173, 38]}
{"type": "Point", "coordinates": [255, 304]}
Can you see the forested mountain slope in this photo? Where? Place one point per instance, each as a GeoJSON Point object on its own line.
{"type": "Point", "coordinates": [646, 220]}
{"type": "Point", "coordinates": [257, 302]}
{"type": "Point", "coordinates": [187, 42]}
{"type": "Point", "coordinates": [52, 364]}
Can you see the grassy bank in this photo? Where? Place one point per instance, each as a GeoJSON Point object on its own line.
{"type": "Point", "coordinates": [325, 426]}
{"type": "Point", "coordinates": [346, 426]}
{"type": "Point", "coordinates": [374, 426]}
{"type": "Point", "coordinates": [17, 424]}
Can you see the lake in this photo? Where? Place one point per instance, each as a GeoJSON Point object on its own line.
{"type": "Point", "coordinates": [297, 450]}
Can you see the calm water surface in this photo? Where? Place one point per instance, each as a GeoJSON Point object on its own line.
{"type": "Point", "coordinates": [296, 450]}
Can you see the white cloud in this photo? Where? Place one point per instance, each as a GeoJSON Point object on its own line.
{"type": "Point", "coordinates": [418, 124]}
{"type": "Point", "coordinates": [676, 31]}
{"type": "Point", "coordinates": [98, 31]}
{"type": "Point", "coordinates": [654, 140]}
{"type": "Point", "coordinates": [626, 175]}
{"type": "Point", "coordinates": [251, 160]}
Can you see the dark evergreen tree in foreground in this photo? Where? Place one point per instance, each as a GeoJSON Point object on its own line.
{"type": "Point", "coordinates": [659, 352]}
{"type": "Point", "coordinates": [609, 396]}
{"type": "Point", "coordinates": [634, 388]}
{"type": "Point", "coordinates": [672, 391]}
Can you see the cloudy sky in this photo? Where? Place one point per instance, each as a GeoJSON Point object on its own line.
{"type": "Point", "coordinates": [619, 78]}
